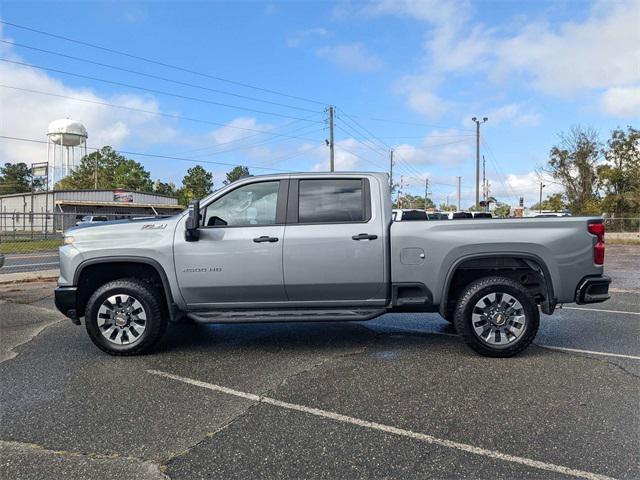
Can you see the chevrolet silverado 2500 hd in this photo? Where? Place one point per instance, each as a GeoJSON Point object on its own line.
{"type": "Point", "coordinates": [314, 247]}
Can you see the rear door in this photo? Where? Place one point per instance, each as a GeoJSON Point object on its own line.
{"type": "Point", "coordinates": [334, 244]}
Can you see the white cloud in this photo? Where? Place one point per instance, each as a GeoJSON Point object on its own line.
{"type": "Point", "coordinates": [600, 52]}
{"type": "Point", "coordinates": [235, 130]}
{"type": "Point", "coordinates": [440, 147]}
{"type": "Point", "coordinates": [298, 38]}
{"type": "Point", "coordinates": [352, 57]}
{"type": "Point", "coordinates": [421, 94]}
{"type": "Point", "coordinates": [348, 154]}
{"type": "Point", "coordinates": [556, 58]}
{"type": "Point", "coordinates": [527, 185]}
{"type": "Point", "coordinates": [622, 101]}
{"type": "Point", "coordinates": [514, 114]}
{"type": "Point", "coordinates": [27, 114]}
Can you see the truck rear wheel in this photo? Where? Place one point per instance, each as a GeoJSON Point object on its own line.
{"type": "Point", "coordinates": [125, 317]}
{"type": "Point", "coordinates": [497, 317]}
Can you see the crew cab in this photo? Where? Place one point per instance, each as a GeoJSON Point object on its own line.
{"type": "Point", "coordinates": [323, 247]}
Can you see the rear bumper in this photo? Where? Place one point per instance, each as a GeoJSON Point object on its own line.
{"type": "Point", "coordinates": [593, 290]}
{"type": "Point", "coordinates": [66, 302]}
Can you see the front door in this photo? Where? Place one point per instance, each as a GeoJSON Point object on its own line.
{"type": "Point", "coordinates": [334, 243]}
{"type": "Point", "coordinates": [237, 260]}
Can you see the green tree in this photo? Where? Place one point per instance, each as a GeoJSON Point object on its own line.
{"type": "Point", "coordinates": [107, 169]}
{"type": "Point", "coordinates": [236, 174]}
{"type": "Point", "coordinates": [15, 178]}
{"type": "Point", "coordinates": [620, 173]}
{"type": "Point", "coordinates": [552, 202]}
{"type": "Point", "coordinates": [447, 208]}
{"type": "Point", "coordinates": [413, 201]}
{"type": "Point", "coordinates": [196, 184]}
{"type": "Point", "coordinates": [163, 188]}
{"type": "Point", "coordinates": [573, 163]}
{"type": "Point", "coordinates": [502, 210]}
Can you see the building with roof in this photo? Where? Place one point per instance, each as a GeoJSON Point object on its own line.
{"type": "Point", "coordinates": [60, 209]}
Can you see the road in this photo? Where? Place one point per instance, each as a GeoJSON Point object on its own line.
{"type": "Point", "coordinates": [30, 262]}
{"type": "Point", "coordinates": [396, 397]}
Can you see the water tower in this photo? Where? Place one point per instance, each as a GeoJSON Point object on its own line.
{"type": "Point", "coordinates": [67, 143]}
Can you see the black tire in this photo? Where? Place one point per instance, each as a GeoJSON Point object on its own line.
{"type": "Point", "coordinates": [153, 306]}
{"type": "Point", "coordinates": [473, 294]}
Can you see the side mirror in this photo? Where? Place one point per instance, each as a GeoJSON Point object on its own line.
{"type": "Point", "coordinates": [191, 233]}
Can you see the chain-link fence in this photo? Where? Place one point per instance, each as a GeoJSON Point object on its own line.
{"type": "Point", "coordinates": [623, 230]}
{"type": "Point", "coordinates": [29, 241]}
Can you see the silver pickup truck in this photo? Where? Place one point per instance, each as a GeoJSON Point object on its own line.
{"type": "Point", "coordinates": [323, 247]}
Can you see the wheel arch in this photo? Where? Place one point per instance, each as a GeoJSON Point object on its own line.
{"type": "Point", "coordinates": [123, 262]}
{"type": "Point", "coordinates": [494, 259]}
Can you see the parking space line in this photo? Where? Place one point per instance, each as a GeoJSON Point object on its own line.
{"type": "Point", "coordinates": [551, 347]}
{"type": "Point", "coordinates": [577, 350]}
{"type": "Point", "coordinates": [387, 429]}
{"type": "Point", "coordinates": [600, 310]}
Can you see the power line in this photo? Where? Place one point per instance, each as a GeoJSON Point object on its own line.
{"type": "Point", "coordinates": [400, 161]}
{"type": "Point", "coordinates": [268, 131]}
{"type": "Point", "coordinates": [157, 77]}
{"type": "Point", "coordinates": [154, 112]}
{"type": "Point", "coordinates": [157, 62]}
{"type": "Point", "coordinates": [253, 145]}
{"type": "Point", "coordinates": [151, 155]}
{"type": "Point", "coordinates": [151, 90]}
{"type": "Point", "coordinates": [417, 124]}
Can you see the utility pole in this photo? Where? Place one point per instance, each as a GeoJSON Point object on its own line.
{"type": "Point", "coordinates": [458, 190]}
{"type": "Point", "coordinates": [331, 152]}
{"type": "Point", "coordinates": [426, 192]}
{"type": "Point", "coordinates": [484, 181]}
{"type": "Point", "coordinates": [391, 171]}
{"type": "Point", "coordinates": [542, 185]}
{"type": "Point", "coordinates": [400, 199]}
{"type": "Point", "coordinates": [478, 122]}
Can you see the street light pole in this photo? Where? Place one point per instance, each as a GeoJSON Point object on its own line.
{"type": "Point", "coordinates": [542, 185]}
{"type": "Point", "coordinates": [478, 122]}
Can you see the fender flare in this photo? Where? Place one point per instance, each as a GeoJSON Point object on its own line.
{"type": "Point", "coordinates": [551, 301]}
{"type": "Point", "coordinates": [132, 259]}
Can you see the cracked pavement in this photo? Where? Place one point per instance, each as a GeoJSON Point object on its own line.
{"type": "Point", "coordinates": [69, 411]}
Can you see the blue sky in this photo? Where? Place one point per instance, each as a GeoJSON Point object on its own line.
{"type": "Point", "coordinates": [409, 73]}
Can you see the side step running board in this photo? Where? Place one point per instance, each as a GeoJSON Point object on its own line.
{"type": "Point", "coordinates": [308, 315]}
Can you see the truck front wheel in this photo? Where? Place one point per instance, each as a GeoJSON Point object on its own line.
{"type": "Point", "coordinates": [497, 317]}
{"type": "Point", "coordinates": [125, 317]}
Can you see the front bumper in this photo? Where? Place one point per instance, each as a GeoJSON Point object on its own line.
{"type": "Point", "coordinates": [593, 290]}
{"type": "Point", "coordinates": [66, 302]}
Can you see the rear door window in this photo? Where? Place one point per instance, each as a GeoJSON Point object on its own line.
{"type": "Point", "coordinates": [331, 201]}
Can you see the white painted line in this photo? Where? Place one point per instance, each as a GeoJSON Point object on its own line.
{"type": "Point", "coordinates": [591, 352]}
{"type": "Point", "coordinates": [599, 310]}
{"type": "Point", "coordinates": [388, 429]}
{"type": "Point", "coordinates": [30, 265]}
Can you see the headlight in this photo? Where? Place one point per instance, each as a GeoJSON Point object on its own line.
{"type": "Point", "coordinates": [68, 240]}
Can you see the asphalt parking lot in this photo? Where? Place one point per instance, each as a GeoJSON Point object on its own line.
{"type": "Point", "coordinates": [396, 397]}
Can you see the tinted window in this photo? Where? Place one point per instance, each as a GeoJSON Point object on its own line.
{"type": "Point", "coordinates": [328, 201]}
{"type": "Point", "coordinates": [253, 204]}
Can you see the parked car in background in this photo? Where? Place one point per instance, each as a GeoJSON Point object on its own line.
{"type": "Point", "coordinates": [408, 214]}
{"type": "Point", "coordinates": [91, 219]}
{"type": "Point", "coordinates": [482, 214]}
